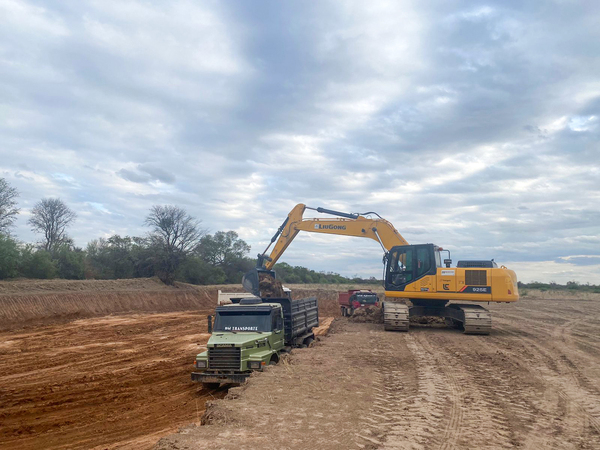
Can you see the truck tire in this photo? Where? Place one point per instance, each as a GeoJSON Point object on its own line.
{"type": "Point", "coordinates": [308, 341]}
{"type": "Point", "coordinates": [211, 385]}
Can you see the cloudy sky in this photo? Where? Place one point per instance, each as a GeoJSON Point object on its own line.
{"type": "Point", "coordinates": [475, 126]}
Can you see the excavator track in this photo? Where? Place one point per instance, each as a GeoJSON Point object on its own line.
{"type": "Point", "coordinates": [395, 316]}
{"type": "Point", "coordinates": [475, 319]}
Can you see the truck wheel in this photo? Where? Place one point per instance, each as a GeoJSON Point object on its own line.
{"type": "Point", "coordinates": [308, 341]}
{"type": "Point", "coordinates": [211, 385]}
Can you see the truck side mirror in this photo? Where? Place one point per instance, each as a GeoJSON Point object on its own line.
{"type": "Point", "coordinates": [210, 324]}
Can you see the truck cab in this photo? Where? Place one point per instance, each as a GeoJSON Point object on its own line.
{"type": "Point", "coordinates": [355, 299]}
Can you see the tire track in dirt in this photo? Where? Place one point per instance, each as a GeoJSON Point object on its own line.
{"type": "Point", "coordinates": [476, 419]}
{"type": "Point", "coordinates": [577, 397]}
{"type": "Point", "coordinates": [392, 381]}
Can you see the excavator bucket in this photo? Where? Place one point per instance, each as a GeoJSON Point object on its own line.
{"type": "Point", "coordinates": [251, 281]}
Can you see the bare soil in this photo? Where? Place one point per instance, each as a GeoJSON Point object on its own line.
{"type": "Point", "coordinates": [106, 365]}
{"type": "Point", "coordinates": [533, 383]}
{"type": "Point", "coordinates": [113, 381]}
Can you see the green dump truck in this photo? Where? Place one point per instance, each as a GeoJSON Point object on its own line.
{"type": "Point", "coordinates": [251, 333]}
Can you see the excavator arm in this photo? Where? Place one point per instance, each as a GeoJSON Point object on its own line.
{"type": "Point", "coordinates": [347, 224]}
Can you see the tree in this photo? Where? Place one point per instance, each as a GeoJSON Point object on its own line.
{"type": "Point", "coordinates": [174, 235]}
{"type": "Point", "coordinates": [70, 262]}
{"type": "Point", "coordinates": [226, 251]}
{"type": "Point", "coordinates": [37, 264]}
{"type": "Point", "coordinates": [51, 216]}
{"type": "Point", "coordinates": [197, 271]}
{"type": "Point", "coordinates": [8, 209]}
{"type": "Point", "coordinates": [111, 258]}
{"type": "Point", "coordinates": [9, 257]}
{"type": "Point", "coordinates": [222, 248]}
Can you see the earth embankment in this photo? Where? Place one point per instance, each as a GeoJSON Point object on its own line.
{"type": "Point", "coordinates": [29, 303]}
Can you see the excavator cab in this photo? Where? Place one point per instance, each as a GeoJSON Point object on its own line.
{"type": "Point", "coordinates": [408, 263]}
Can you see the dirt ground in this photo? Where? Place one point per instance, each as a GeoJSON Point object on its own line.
{"type": "Point", "coordinates": [108, 382]}
{"type": "Point", "coordinates": [533, 383]}
{"type": "Point", "coordinates": [74, 376]}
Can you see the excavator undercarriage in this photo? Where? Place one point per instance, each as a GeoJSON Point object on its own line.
{"type": "Point", "coordinates": [472, 319]}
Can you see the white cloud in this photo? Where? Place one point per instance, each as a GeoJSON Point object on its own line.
{"type": "Point", "coordinates": [473, 127]}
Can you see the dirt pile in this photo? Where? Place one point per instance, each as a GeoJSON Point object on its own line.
{"type": "Point", "coordinates": [26, 303]}
{"type": "Point", "coordinates": [29, 287]}
{"type": "Point", "coordinates": [427, 320]}
{"type": "Point", "coordinates": [269, 286]}
{"type": "Point", "coordinates": [370, 314]}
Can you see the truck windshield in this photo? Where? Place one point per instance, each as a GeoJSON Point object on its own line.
{"type": "Point", "coordinates": [366, 299]}
{"type": "Point", "coordinates": [242, 321]}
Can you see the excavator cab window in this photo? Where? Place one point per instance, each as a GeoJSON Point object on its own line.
{"type": "Point", "coordinates": [408, 263]}
{"type": "Point", "coordinates": [400, 266]}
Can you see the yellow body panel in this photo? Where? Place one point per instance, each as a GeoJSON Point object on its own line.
{"type": "Point", "coordinates": [451, 284]}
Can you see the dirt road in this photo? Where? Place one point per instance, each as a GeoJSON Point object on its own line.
{"type": "Point", "coordinates": [533, 383]}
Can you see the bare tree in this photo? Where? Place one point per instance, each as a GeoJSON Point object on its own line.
{"type": "Point", "coordinates": [174, 235]}
{"type": "Point", "coordinates": [8, 209]}
{"type": "Point", "coordinates": [51, 216]}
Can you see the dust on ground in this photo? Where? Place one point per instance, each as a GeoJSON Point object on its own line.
{"type": "Point", "coordinates": [101, 381]}
{"type": "Point", "coordinates": [533, 383]}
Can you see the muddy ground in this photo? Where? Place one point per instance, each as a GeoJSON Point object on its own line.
{"type": "Point", "coordinates": [533, 383]}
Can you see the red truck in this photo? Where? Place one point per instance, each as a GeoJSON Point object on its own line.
{"type": "Point", "coordinates": [355, 299]}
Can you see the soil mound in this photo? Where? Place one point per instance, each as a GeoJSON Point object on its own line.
{"type": "Point", "coordinates": [428, 320]}
{"type": "Point", "coordinates": [371, 314]}
{"type": "Point", "coordinates": [269, 286]}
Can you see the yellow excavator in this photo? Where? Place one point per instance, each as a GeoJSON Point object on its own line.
{"type": "Point", "coordinates": [412, 272]}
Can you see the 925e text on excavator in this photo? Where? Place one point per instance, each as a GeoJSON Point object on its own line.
{"type": "Point", "coordinates": [412, 272]}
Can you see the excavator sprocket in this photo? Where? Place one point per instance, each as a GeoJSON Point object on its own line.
{"type": "Point", "coordinates": [395, 316]}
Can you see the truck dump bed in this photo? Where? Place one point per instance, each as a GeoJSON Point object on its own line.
{"type": "Point", "coordinates": [299, 316]}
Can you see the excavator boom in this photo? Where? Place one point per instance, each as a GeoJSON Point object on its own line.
{"type": "Point", "coordinates": [347, 224]}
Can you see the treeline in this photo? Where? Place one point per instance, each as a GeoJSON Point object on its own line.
{"type": "Point", "coordinates": [175, 248]}
{"type": "Point", "coordinates": [302, 275]}
{"type": "Point", "coordinates": [570, 286]}
{"type": "Point", "coordinates": [217, 259]}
